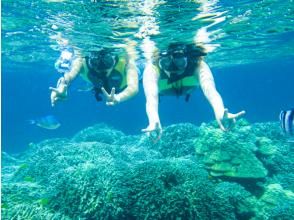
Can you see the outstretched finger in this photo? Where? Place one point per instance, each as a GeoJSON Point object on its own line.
{"type": "Point", "coordinates": [105, 92]}
{"type": "Point", "coordinates": [109, 103]}
{"type": "Point", "coordinates": [239, 114]}
{"type": "Point", "coordinates": [157, 127]}
{"type": "Point", "coordinates": [226, 113]}
{"type": "Point", "coordinates": [155, 135]}
{"type": "Point", "coordinates": [54, 89]}
{"type": "Point", "coordinates": [145, 130]}
{"type": "Point", "coordinates": [155, 139]}
{"type": "Point", "coordinates": [220, 124]}
{"type": "Point", "coordinates": [112, 92]}
{"type": "Point", "coordinates": [53, 101]}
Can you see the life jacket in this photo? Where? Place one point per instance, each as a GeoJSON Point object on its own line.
{"type": "Point", "coordinates": [64, 63]}
{"type": "Point", "coordinates": [115, 79]}
{"type": "Point", "coordinates": [179, 85]}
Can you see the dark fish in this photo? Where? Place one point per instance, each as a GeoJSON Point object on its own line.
{"type": "Point", "coordinates": [47, 122]}
{"type": "Point", "coordinates": [287, 122]}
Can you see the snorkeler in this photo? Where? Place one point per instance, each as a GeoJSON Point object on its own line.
{"type": "Point", "coordinates": [178, 71]}
{"type": "Point", "coordinates": [113, 76]}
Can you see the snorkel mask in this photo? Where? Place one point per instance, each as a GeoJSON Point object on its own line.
{"type": "Point", "coordinates": [101, 60]}
{"type": "Point", "coordinates": [174, 59]}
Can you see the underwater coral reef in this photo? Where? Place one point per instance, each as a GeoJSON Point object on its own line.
{"type": "Point", "coordinates": [191, 173]}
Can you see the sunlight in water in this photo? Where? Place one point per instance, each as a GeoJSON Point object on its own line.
{"type": "Point", "coordinates": [224, 29]}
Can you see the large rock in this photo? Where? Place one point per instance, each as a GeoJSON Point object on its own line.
{"type": "Point", "coordinates": [229, 154]}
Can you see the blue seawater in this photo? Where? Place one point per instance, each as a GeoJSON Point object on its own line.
{"type": "Point", "coordinates": [99, 152]}
{"type": "Point", "coordinates": [261, 89]}
{"type": "Point", "coordinates": [252, 63]}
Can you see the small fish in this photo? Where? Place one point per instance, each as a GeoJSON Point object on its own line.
{"type": "Point", "coordinates": [4, 206]}
{"type": "Point", "coordinates": [44, 201]}
{"type": "Point", "coordinates": [287, 122]}
{"type": "Point", "coordinates": [47, 122]}
{"type": "Point", "coordinates": [29, 179]}
{"type": "Point", "coordinates": [23, 166]}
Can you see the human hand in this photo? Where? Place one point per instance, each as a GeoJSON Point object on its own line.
{"type": "Point", "coordinates": [60, 92]}
{"type": "Point", "coordinates": [228, 119]}
{"type": "Point", "coordinates": [112, 98]}
{"type": "Point", "coordinates": [154, 132]}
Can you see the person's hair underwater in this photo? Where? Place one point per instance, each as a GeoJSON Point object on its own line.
{"type": "Point", "coordinates": [191, 50]}
{"type": "Point", "coordinates": [195, 51]}
{"type": "Point", "coordinates": [102, 60]}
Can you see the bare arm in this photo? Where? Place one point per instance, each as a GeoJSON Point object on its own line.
{"type": "Point", "coordinates": [60, 92]}
{"type": "Point", "coordinates": [75, 70]}
{"type": "Point", "coordinates": [224, 119]}
{"type": "Point", "coordinates": [132, 79]}
{"type": "Point", "coordinates": [151, 90]}
{"type": "Point", "coordinates": [208, 87]}
{"type": "Point", "coordinates": [150, 84]}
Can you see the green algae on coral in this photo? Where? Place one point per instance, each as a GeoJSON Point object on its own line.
{"type": "Point", "coordinates": [44, 201]}
{"type": "Point", "coordinates": [29, 179]}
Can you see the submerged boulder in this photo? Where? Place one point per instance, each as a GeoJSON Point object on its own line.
{"type": "Point", "coordinates": [229, 154]}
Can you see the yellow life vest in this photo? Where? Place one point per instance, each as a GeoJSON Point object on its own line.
{"type": "Point", "coordinates": [183, 86]}
{"type": "Point", "coordinates": [118, 74]}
